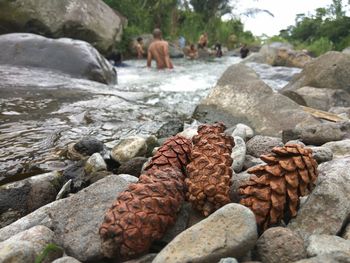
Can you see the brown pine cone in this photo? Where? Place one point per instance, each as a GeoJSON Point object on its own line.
{"type": "Point", "coordinates": [209, 173]}
{"type": "Point", "coordinates": [143, 212]}
{"type": "Point", "coordinates": [273, 192]}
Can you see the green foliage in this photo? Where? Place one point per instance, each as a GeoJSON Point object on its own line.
{"type": "Point", "coordinates": [320, 46]}
{"type": "Point", "coordinates": [50, 248]}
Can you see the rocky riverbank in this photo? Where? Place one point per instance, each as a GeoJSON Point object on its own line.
{"type": "Point", "coordinates": [66, 208]}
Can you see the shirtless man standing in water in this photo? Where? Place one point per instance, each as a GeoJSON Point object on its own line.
{"type": "Point", "coordinates": [159, 51]}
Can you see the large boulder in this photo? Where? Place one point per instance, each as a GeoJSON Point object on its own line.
{"type": "Point", "coordinates": [241, 97]}
{"type": "Point", "coordinates": [282, 54]}
{"type": "Point", "coordinates": [329, 71]}
{"type": "Point", "coordinates": [91, 21]}
{"type": "Point", "coordinates": [73, 57]}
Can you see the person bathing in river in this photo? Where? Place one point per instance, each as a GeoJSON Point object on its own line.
{"type": "Point", "coordinates": [159, 51]}
{"type": "Point", "coordinates": [203, 40]}
{"type": "Point", "coordinates": [192, 52]}
{"type": "Point", "coordinates": [139, 48]}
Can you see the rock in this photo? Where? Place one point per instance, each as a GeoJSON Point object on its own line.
{"type": "Point", "coordinates": [321, 154]}
{"type": "Point", "coordinates": [236, 181]}
{"type": "Point", "coordinates": [75, 220]}
{"type": "Point", "coordinates": [20, 198]}
{"type": "Point", "coordinates": [129, 178]}
{"type": "Point", "coordinates": [327, 207]}
{"type": "Point", "coordinates": [144, 259]}
{"type": "Point", "coordinates": [238, 154]}
{"type": "Point", "coordinates": [322, 99]}
{"type": "Point", "coordinates": [255, 58]}
{"type": "Point", "coordinates": [88, 146]}
{"type": "Point", "coordinates": [133, 166]}
{"type": "Point", "coordinates": [251, 161]}
{"type": "Point", "coordinates": [170, 128]}
{"type": "Point", "coordinates": [175, 52]}
{"type": "Point", "coordinates": [259, 145]}
{"type": "Point", "coordinates": [339, 149]}
{"type": "Point", "coordinates": [318, 134]}
{"type": "Point", "coordinates": [38, 238]}
{"type": "Point", "coordinates": [329, 258]}
{"type": "Point", "coordinates": [18, 252]}
{"type": "Point", "coordinates": [346, 50]}
{"type": "Point", "coordinates": [328, 71]}
{"type": "Point", "coordinates": [65, 190]}
{"type": "Point", "coordinates": [325, 244]}
{"type": "Point", "coordinates": [280, 245]}
{"type": "Point", "coordinates": [66, 260]}
{"type": "Point", "coordinates": [228, 232]}
{"type": "Point", "coordinates": [73, 57]}
{"type": "Point", "coordinates": [91, 21]}
{"type": "Point", "coordinates": [341, 111]}
{"type": "Point", "coordinates": [243, 131]}
{"type": "Point", "coordinates": [76, 173]}
{"type": "Point", "coordinates": [129, 148]}
{"type": "Point", "coordinates": [95, 163]}
{"type": "Point", "coordinates": [228, 260]}
{"type": "Point", "coordinates": [241, 97]}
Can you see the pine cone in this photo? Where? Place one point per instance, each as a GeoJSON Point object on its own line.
{"type": "Point", "coordinates": [209, 173]}
{"type": "Point", "coordinates": [143, 212]}
{"type": "Point", "coordinates": [273, 192]}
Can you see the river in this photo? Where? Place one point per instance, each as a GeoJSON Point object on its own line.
{"type": "Point", "coordinates": [42, 111]}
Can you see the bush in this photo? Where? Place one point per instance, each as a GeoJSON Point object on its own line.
{"type": "Point", "coordinates": [320, 46]}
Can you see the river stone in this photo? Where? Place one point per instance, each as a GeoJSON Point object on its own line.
{"type": "Point", "coordinates": [95, 163]}
{"type": "Point", "coordinates": [325, 244]}
{"type": "Point", "coordinates": [327, 208]}
{"type": "Point", "coordinates": [240, 96]}
{"type": "Point", "coordinates": [328, 71]}
{"type": "Point", "coordinates": [236, 181]}
{"type": "Point", "coordinates": [321, 154]}
{"type": "Point", "coordinates": [238, 154]}
{"type": "Point", "coordinates": [88, 146]}
{"type": "Point", "coordinates": [91, 21]}
{"type": "Point", "coordinates": [66, 260]}
{"type": "Point", "coordinates": [228, 260]}
{"type": "Point", "coordinates": [38, 237]}
{"type": "Point", "coordinates": [22, 197]}
{"type": "Point", "coordinates": [75, 220]}
{"type": "Point", "coordinates": [328, 258]}
{"type": "Point", "coordinates": [280, 245]}
{"type": "Point", "coordinates": [170, 128]}
{"type": "Point", "coordinates": [72, 57]}
{"type": "Point", "coordinates": [76, 173]}
{"type": "Point", "coordinates": [322, 99]}
{"type": "Point", "coordinates": [340, 148]}
{"type": "Point", "coordinates": [228, 232]}
{"type": "Point", "coordinates": [259, 145]}
{"type": "Point", "coordinates": [251, 161]}
{"type": "Point", "coordinates": [129, 148]}
{"type": "Point", "coordinates": [318, 134]}
{"type": "Point", "coordinates": [17, 252]}
{"type": "Point", "coordinates": [133, 166]}
{"type": "Point", "coordinates": [243, 131]}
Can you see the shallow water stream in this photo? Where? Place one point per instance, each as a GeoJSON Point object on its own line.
{"type": "Point", "coordinates": [41, 111]}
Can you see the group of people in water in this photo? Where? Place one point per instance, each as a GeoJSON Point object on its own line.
{"type": "Point", "coordinates": [159, 49]}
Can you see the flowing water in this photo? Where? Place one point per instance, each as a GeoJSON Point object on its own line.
{"type": "Point", "coordinates": [42, 111]}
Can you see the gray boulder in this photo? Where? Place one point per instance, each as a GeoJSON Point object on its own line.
{"type": "Point", "coordinates": [91, 21]}
{"type": "Point", "coordinates": [241, 97]}
{"type": "Point", "coordinates": [322, 99]}
{"type": "Point", "coordinates": [324, 244]}
{"type": "Point", "coordinates": [326, 209]}
{"type": "Point", "coordinates": [329, 71]}
{"type": "Point", "coordinates": [321, 154]}
{"type": "Point", "coordinates": [339, 148]}
{"type": "Point", "coordinates": [75, 220]}
{"type": "Point", "coordinates": [280, 245]}
{"type": "Point", "coordinates": [346, 50]}
{"type": "Point", "coordinates": [72, 57]}
{"type": "Point", "coordinates": [20, 198]}
{"type": "Point", "coordinates": [229, 232]}
{"type": "Point", "coordinates": [346, 234]}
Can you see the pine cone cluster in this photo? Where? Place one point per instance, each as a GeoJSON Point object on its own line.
{"type": "Point", "coordinates": [209, 173]}
{"type": "Point", "coordinates": [143, 212]}
{"type": "Point", "coordinates": [273, 190]}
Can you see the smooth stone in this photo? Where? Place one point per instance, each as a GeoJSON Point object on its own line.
{"type": "Point", "coordinates": [170, 128]}
{"type": "Point", "coordinates": [280, 245]}
{"type": "Point", "coordinates": [66, 260]}
{"type": "Point", "coordinates": [228, 260]}
{"type": "Point", "coordinates": [259, 145]}
{"type": "Point", "coordinates": [129, 148]}
{"type": "Point", "coordinates": [243, 131]}
{"type": "Point", "coordinates": [229, 232]}
{"type": "Point", "coordinates": [88, 146]}
{"type": "Point", "coordinates": [95, 163]}
{"type": "Point", "coordinates": [326, 244]}
{"type": "Point", "coordinates": [340, 148]}
{"type": "Point", "coordinates": [75, 220]}
{"type": "Point", "coordinates": [328, 258]}
{"type": "Point", "coordinates": [129, 178]}
{"type": "Point", "coordinates": [17, 252]}
{"type": "Point", "coordinates": [327, 207]}
{"type": "Point", "coordinates": [133, 166]}
{"type": "Point", "coordinates": [236, 181]}
{"type": "Point", "coordinates": [321, 154]}
{"type": "Point", "coordinates": [238, 154]}
{"type": "Point", "coordinates": [251, 161]}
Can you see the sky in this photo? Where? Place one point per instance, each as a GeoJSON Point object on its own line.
{"type": "Point", "coordinates": [284, 14]}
